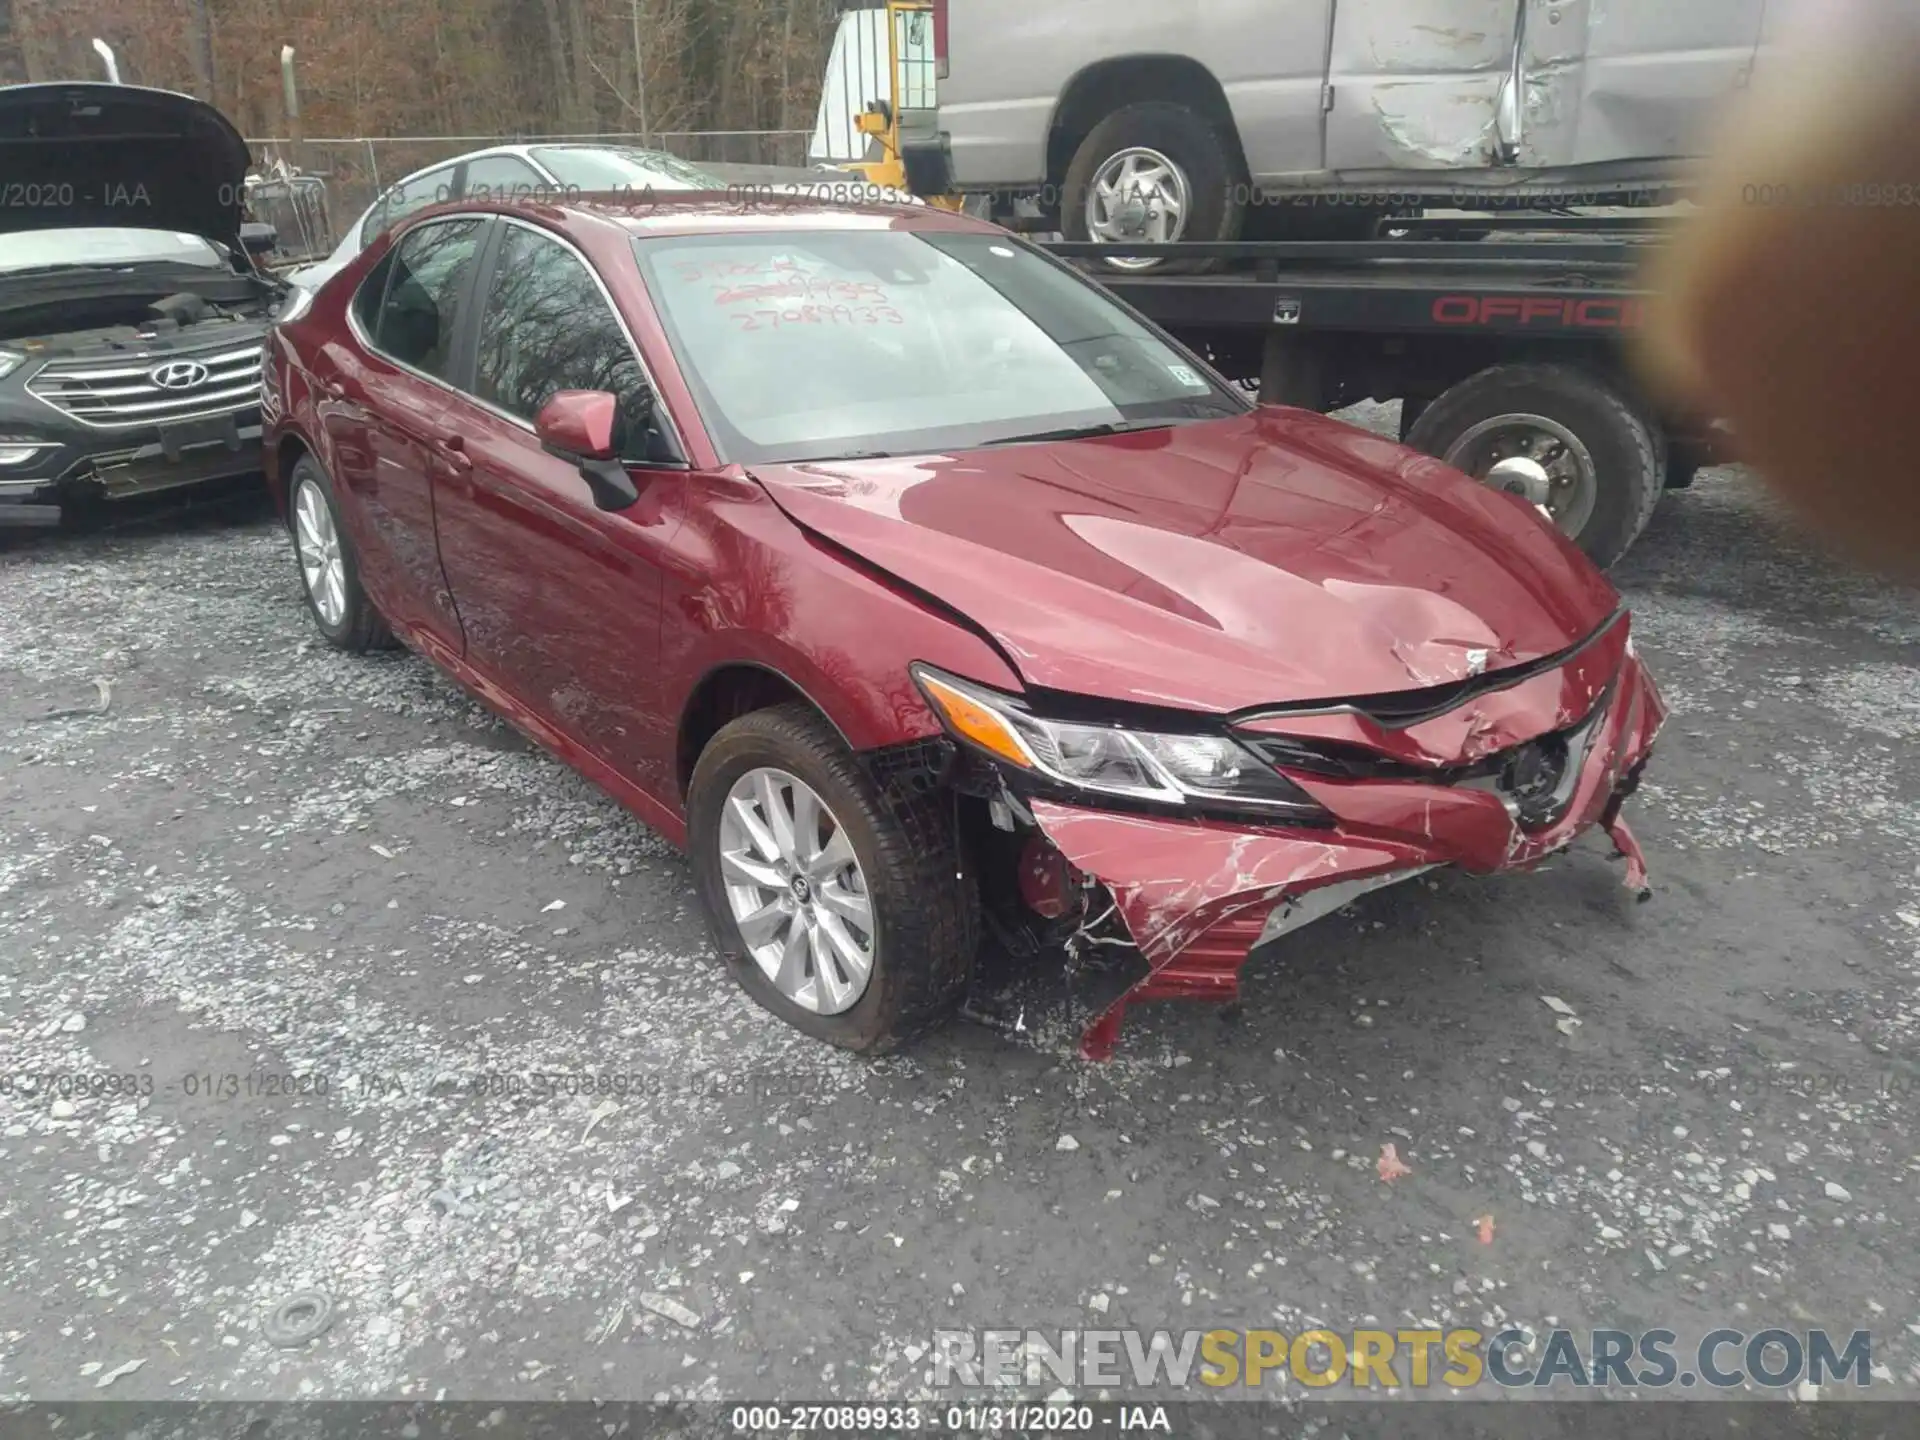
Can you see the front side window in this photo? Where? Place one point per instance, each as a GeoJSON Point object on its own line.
{"type": "Point", "coordinates": [421, 311]}
{"type": "Point", "coordinates": [546, 327]}
{"type": "Point", "coordinates": [806, 345]}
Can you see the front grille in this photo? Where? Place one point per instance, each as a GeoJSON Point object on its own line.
{"type": "Point", "coordinates": [1536, 777]}
{"type": "Point", "coordinates": [122, 393]}
{"type": "Point", "coordinates": [1537, 780]}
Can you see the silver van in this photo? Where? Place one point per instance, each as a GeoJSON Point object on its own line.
{"type": "Point", "coordinates": [1153, 120]}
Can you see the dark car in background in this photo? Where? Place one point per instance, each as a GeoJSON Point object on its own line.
{"type": "Point", "coordinates": [131, 312]}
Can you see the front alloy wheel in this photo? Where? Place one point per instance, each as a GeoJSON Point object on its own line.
{"type": "Point", "coordinates": [1150, 173]}
{"type": "Point", "coordinates": [1138, 195]}
{"type": "Point", "coordinates": [796, 890]}
{"type": "Point", "coordinates": [841, 907]}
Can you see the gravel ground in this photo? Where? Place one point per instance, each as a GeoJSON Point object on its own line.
{"type": "Point", "coordinates": [342, 882]}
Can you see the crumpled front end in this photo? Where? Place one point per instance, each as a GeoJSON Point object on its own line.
{"type": "Point", "coordinates": [1492, 780]}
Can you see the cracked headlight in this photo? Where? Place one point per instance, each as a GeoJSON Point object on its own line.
{"type": "Point", "coordinates": [1188, 772]}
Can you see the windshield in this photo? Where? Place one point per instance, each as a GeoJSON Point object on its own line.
{"type": "Point", "coordinates": [105, 245]}
{"type": "Point", "coordinates": [831, 344]}
{"type": "Point", "coordinates": [605, 168]}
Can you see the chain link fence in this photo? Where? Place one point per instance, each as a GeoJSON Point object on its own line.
{"type": "Point", "coordinates": [357, 169]}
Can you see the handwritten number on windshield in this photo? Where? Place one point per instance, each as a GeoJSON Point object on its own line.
{"type": "Point", "coordinates": [818, 315]}
{"type": "Point", "coordinates": [797, 288]}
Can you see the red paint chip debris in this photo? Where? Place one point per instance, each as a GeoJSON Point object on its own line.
{"type": "Point", "coordinates": [1391, 1166]}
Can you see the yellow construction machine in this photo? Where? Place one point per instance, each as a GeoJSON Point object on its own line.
{"type": "Point", "coordinates": [910, 86]}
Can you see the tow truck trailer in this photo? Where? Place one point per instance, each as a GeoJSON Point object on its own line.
{"type": "Point", "coordinates": [1506, 337]}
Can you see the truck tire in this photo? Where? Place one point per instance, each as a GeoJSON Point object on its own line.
{"type": "Point", "coordinates": [1606, 462]}
{"type": "Point", "coordinates": [869, 986]}
{"type": "Point", "coordinates": [1165, 148]}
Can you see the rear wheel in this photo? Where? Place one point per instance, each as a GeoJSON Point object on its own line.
{"type": "Point", "coordinates": [835, 907]}
{"type": "Point", "coordinates": [1154, 173]}
{"type": "Point", "coordinates": [1561, 437]}
{"type": "Point", "coordinates": [329, 568]}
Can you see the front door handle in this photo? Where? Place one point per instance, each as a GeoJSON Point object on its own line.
{"type": "Point", "coordinates": [454, 448]}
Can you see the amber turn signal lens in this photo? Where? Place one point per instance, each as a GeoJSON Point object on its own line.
{"type": "Point", "coordinates": [973, 721]}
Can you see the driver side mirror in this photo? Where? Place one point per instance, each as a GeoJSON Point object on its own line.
{"type": "Point", "coordinates": [578, 425]}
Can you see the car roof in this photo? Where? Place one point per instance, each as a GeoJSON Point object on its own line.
{"type": "Point", "coordinates": [740, 210]}
{"type": "Point", "coordinates": [521, 151]}
{"type": "Point", "coordinates": [524, 150]}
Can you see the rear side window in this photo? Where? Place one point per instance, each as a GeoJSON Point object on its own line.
{"type": "Point", "coordinates": [416, 194]}
{"type": "Point", "coordinates": [373, 289]}
{"type": "Point", "coordinates": [420, 313]}
{"type": "Point", "coordinates": [499, 177]}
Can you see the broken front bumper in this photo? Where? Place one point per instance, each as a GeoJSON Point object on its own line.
{"type": "Point", "coordinates": [1197, 896]}
{"type": "Point", "coordinates": [117, 464]}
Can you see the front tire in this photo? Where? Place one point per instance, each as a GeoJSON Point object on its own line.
{"type": "Point", "coordinates": [1140, 166]}
{"type": "Point", "coordinates": [1605, 462]}
{"type": "Point", "coordinates": [329, 568]}
{"type": "Point", "coordinates": [842, 911]}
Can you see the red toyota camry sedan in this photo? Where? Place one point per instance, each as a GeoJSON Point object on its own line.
{"type": "Point", "coordinates": [926, 594]}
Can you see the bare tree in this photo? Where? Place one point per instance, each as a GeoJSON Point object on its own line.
{"type": "Point", "coordinates": [200, 33]}
{"type": "Point", "coordinates": [13, 58]}
{"type": "Point", "coordinates": [473, 67]}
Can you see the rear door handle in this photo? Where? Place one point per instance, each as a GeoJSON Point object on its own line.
{"type": "Point", "coordinates": [454, 447]}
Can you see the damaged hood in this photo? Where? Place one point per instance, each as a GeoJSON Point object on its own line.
{"type": "Point", "coordinates": [119, 155]}
{"type": "Point", "coordinates": [1266, 559]}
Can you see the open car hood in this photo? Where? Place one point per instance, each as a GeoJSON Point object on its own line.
{"type": "Point", "coordinates": [1274, 558]}
{"type": "Point", "coordinates": [84, 154]}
